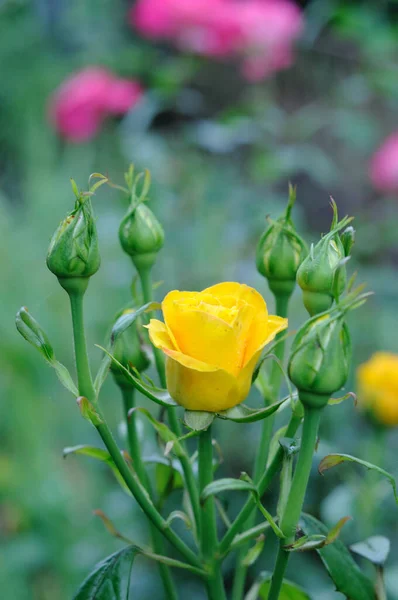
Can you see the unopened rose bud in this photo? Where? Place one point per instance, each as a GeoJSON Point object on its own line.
{"type": "Point", "coordinates": [140, 233]}
{"type": "Point", "coordinates": [320, 357]}
{"type": "Point", "coordinates": [130, 351]}
{"type": "Point", "coordinates": [280, 252]}
{"type": "Point", "coordinates": [322, 275]}
{"type": "Point", "coordinates": [73, 253]}
{"type": "Point", "coordinates": [321, 353]}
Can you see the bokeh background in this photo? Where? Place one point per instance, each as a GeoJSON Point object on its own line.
{"type": "Point", "coordinates": [221, 149]}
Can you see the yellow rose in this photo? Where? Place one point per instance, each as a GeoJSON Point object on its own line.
{"type": "Point", "coordinates": [212, 341]}
{"type": "Point", "coordinates": [378, 387]}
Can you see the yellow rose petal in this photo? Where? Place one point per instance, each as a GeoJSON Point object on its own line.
{"type": "Point", "coordinates": [211, 391]}
{"type": "Point", "coordinates": [262, 333]}
{"type": "Point", "coordinates": [239, 291]}
{"type": "Point", "coordinates": [159, 335]}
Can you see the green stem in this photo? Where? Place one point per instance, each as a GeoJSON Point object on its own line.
{"type": "Point", "coordinates": [294, 505]}
{"type": "Point", "coordinates": [264, 482]}
{"type": "Point", "coordinates": [86, 389]}
{"type": "Point", "coordinates": [190, 482]}
{"type": "Point", "coordinates": [132, 434]}
{"type": "Point", "coordinates": [84, 380]}
{"type": "Point", "coordinates": [141, 495]}
{"type": "Point", "coordinates": [275, 379]}
{"type": "Point", "coordinates": [208, 538]}
{"type": "Point", "coordinates": [278, 574]}
{"type": "Point", "coordinates": [139, 467]}
{"type": "Point", "coordinates": [248, 535]}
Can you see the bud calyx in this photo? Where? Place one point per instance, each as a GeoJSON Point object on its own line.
{"type": "Point", "coordinates": [322, 275]}
{"type": "Point", "coordinates": [280, 251]}
{"type": "Point", "coordinates": [140, 233]}
{"type": "Point", "coordinates": [73, 251]}
{"type": "Point", "coordinates": [321, 352]}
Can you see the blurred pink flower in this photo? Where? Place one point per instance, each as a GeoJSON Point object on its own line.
{"type": "Point", "coordinates": [269, 28]}
{"type": "Point", "coordinates": [79, 106]}
{"type": "Point", "coordinates": [259, 32]}
{"type": "Point", "coordinates": [384, 165]}
{"type": "Point", "coordinates": [207, 27]}
{"type": "Point", "coordinates": [154, 18]}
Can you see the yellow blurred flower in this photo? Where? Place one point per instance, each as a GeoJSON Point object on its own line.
{"type": "Point", "coordinates": [378, 387]}
{"type": "Point", "coordinates": [212, 341]}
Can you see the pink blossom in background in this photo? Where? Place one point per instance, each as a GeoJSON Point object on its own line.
{"type": "Point", "coordinates": [259, 33]}
{"type": "Point", "coordinates": [155, 18]}
{"type": "Point", "coordinates": [79, 106]}
{"type": "Point", "coordinates": [384, 165]}
{"type": "Point", "coordinates": [122, 95]}
{"type": "Point", "coordinates": [207, 27]}
{"type": "Point", "coordinates": [269, 28]}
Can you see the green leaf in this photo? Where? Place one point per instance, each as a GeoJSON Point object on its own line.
{"type": "Point", "coordinates": [65, 377]}
{"type": "Point", "coordinates": [268, 517]}
{"type": "Point", "coordinates": [244, 414]}
{"type": "Point", "coordinates": [343, 570]}
{"type": "Point", "coordinates": [335, 531]}
{"type": "Point", "coordinates": [110, 579]}
{"type": "Point", "coordinates": [122, 323]}
{"type": "Point", "coordinates": [254, 552]}
{"type": "Point", "coordinates": [316, 541]}
{"type": "Point", "coordinates": [110, 526]}
{"type": "Point", "coordinates": [88, 411]}
{"type": "Point", "coordinates": [289, 590]}
{"type": "Point", "coordinates": [333, 401]}
{"type": "Point", "coordinates": [376, 549]}
{"type": "Point", "coordinates": [155, 394]}
{"type": "Point", "coordinates": [33, 333]}
{"type": "Point", "coordinates": [179, 514]}
{"type": "Point", "coordinates": [128, 319]}
{"type": "Point", "coordinates": [307, 542]}
{"type": "Point", "coordinates": [332, 460]}
{"type": "Point", "coordinates": [226, 485]}
{"type": "Point", "coordinates": [198, 420]}
{"type": "Point", "coordinates": [98, 454]}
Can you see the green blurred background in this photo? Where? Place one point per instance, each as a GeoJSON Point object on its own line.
{"type": "Point", "coordinates": [221, 152]}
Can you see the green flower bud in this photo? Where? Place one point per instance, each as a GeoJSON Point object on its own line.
{"type": "Point", "coordinates": [348, 239]}
{"type": "Point", "coordinates": [322, 275]}
{"type": "Point", "coordinates": [140, 233]}
{"type": "Point", "coordinates": [280, 251]}
{"type": "Point", "coordinates": [131, 352]}
{"type": "Point", "coordinates": [321, 353]}
{"type": "Point", "coordinates": [73, 251]}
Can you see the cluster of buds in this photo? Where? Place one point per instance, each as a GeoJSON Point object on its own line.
{"type": "Point", "coordinates": [322, 275]}
{"type": "Point", "coordinates": [281, 251]}
{"type": "Point", "coordinates": [140, 233]}
{"type": "Point", "coordinates": [321, 351]}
